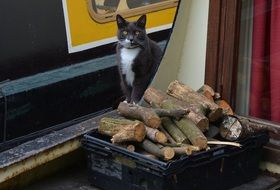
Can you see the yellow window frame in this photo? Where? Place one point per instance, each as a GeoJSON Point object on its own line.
{"type": "Point", "coordinates": [127, 12]}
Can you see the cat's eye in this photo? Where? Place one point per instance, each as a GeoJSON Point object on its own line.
{"type": "Point", "coordinates": [137, 32]}
{"type": "Point", "coordinates": [124, 32]}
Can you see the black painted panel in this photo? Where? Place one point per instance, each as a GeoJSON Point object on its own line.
{"type": "Point", "coordinates": [33, 41]}
{"type": "Point", "coordinates": [32, 37]}
{"type": "Point", "coordinates": [2, 113]}
{"type": "Point", "coordinates": [40, 108]}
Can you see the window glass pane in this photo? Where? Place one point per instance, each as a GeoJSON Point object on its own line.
{"type": "Point", "coordinates": [105, 10]}
{"type": "Point", "coordinates": [258, 89]}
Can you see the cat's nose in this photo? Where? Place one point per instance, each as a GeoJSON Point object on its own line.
{"type": "Point", "coordinates": [130, 38]}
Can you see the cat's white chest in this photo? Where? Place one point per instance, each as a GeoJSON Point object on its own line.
{"type": "Point", "coordinates": [127, 59]}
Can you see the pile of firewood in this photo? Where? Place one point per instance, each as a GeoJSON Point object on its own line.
{"type": "Point", "coordinates": [178, 122]}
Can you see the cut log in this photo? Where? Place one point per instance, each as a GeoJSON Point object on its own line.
{"type": "Point", "coordinates": [201, 122]}
{"type": "Point", "coordinates": [171, 144]}
{"type": "Point", "coordinates": [185, 150]}
{"type": "Point", "coordinates": [225, 106]}
{"type": "Point", "coordinates": [192, 132]}
{"type": "Point", "coordinates": [189, 129]}
{"type": "Point", "coordinates": [168, 136]}
{"type": "Point", "coordinates": [174, 131]}
{"type": "Point", "coordinates": [122, 130]}
{"type": "Point", "coordinates": [196, 112]}
{"type": "Point", "coordinates": [155, 98]}
{"type": "Point", "coordinates": [207, 91]}
{"type": "Point", "coordinates": [185, 93]}
{"type": "Point", "coordinates": [235, 128]}
{"type": "Point", "coordinates": [130, 147]}
{"type": "Point", "coordinates": [251, 127]}
{"type": "Point", "coordinates": [206, 88]}
{"type": "Point", "coordinates": [176, 113]}
{"type": "Point", "coordinates": [208, 96]}
{"type": "Point", "coordinates": [155, 135]}
{"type": "Point", "coordinates": [147, 115]}
{"type": "Point", "coordinates": [230, 128]}
{"type": "Point", "coordinates": [165, 153]}
{"type": "Point", "coordinates": [181, 151]}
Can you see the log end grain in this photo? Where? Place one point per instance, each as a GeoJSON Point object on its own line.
{"type": "Point", "coordinates": [168, 153]}
{"type": "Point", "coordinates": [161, 137]}
{"type": "Point", "coordinates": [131, 132]}
{"type": "Point", "coordinates": [231, 129]}
{"type": "Point", "coordinates": [140, 132]}
{"type": "Point", "coordinates": [225, 106]}
{"type": "Point", "coordinates": [200, 142]}
{"type": "Point", "coordinates": [190, 149]}
{"type": "Point", "coordinates": [130, 148]}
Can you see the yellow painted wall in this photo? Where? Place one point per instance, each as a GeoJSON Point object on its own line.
{"type": "Point", "coordinates": [84, 30]}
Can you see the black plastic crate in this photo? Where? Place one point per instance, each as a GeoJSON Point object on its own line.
{"type": "Point", "coordinates": [112, 167]}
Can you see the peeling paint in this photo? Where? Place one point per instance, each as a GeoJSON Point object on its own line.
{"type": "Point", "coordinates": [271, 167]}
{"type": "Point", "coordinates": [41, 158]}
{"type": "Point", "coordinates": [44, 149]}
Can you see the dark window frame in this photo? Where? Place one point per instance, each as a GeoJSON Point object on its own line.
{"type": "Point", "coordinates": [222, 60]}
{"type": "Point", "coordinates": [222, 47]}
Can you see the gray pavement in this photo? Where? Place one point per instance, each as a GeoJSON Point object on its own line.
{"type": "Point", "coordinates": [76, 179]}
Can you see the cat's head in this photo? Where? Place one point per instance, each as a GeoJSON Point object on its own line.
{"type": "Point", "coordinates": [132, 34]}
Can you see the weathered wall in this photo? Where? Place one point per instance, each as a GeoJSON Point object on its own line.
{"type": "Point", "coordinates": [186, 51]}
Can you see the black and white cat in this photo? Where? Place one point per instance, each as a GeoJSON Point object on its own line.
{"type": "Point", "coordinates": [138, 57]}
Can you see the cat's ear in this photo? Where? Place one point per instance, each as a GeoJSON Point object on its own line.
{"type": "Point", "coordinates": [120, 21]}
{"type": "Point", "coordinates": [141, 22]}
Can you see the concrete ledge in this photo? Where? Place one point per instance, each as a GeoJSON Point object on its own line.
{"type": "Point", "coordinates": [270, 167]}
{"type": "Point", "coordinates": [44, 149]}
